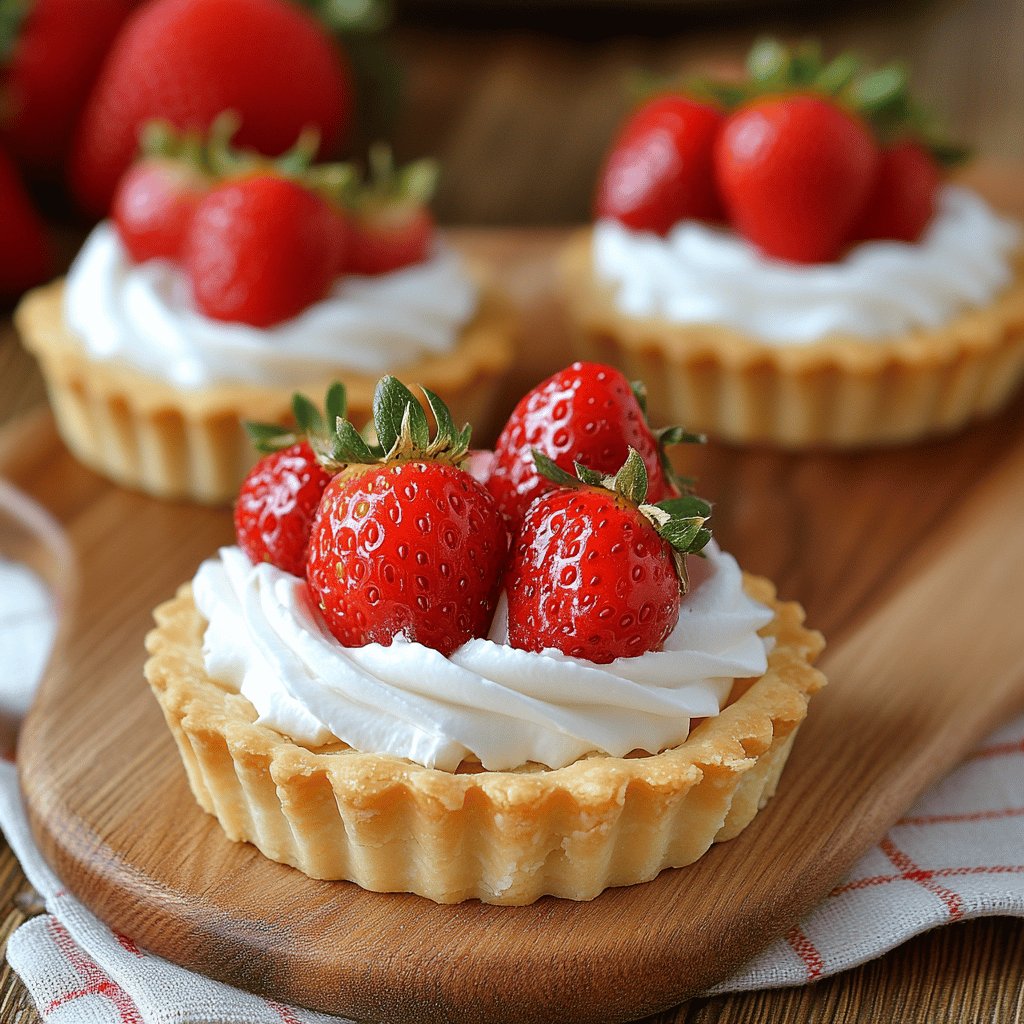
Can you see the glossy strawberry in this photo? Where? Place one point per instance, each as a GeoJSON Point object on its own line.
{"type": "Point", "coordinates": [795, 172]}
{"type": "Point", "coordinates": [275, 507]}
{"type": "Point", "coordinates": [158, 196]}
{"type": "Point", "coordinates": [902, 200]}
{"type": "Point", "coordinates": [25, 258]}
{"type": "Point", "coordinates": [52, 60]}
{"type": "Point", "coordinates": [279, 497]}
{"type": "Point", "coordinates": [389, 225]}
{"type": "Point", "coordinates": [587, 413]}
{"type": "Point", "coordinates": [596, 573]}
{"type": "Point", "coordinates": [660, 169]}
{"type": "Point", "coordinates": [187, 61]}
{"type": "Point", "coordinates": [259, 250]}
{"type": "Point", "coordinates": [412, 546]}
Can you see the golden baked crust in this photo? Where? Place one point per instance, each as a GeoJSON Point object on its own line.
{"type": "Point", "coordinates": [146, 433]}
{"type": "Point", "coordinates": [840, 391]}
{"type": "Point", "coordinates": [502, 837]}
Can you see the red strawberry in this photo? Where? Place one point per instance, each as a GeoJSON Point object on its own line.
{"type": "Point", "coordinates": [188, 60]}
{"type": "Point", "coordinates": [795, 172]}
{"type": "Point", "coordinates": [414, 545]}
{"type": "Point", "coordinates": [587, 413]}
{"type": "Point", "coordinates": [260, 250]}
{"type": "Point", "coordinates": [592, 575]}
{"type": "Point", "coordinates": [275, 507]}
{"type": "Point", "coordinates": [389, 226]}
{"type": "Point", "coordinates": [660, 168]}
{"type": "Point", "coordinates": [902, 202]}
{"type": "Point", "coordinates": [25, 254]}
{"type": "Point", "coordinates": [157, 198]}
{"type": "Point", "coordinates": [278, 499]}
{"type": "Point", "coordinates": [54, 61]}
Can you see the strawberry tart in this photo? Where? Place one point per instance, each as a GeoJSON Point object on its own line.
{"type": "Point", "coordinates": [783, 260]}
{"type": "Point", "coordinates": [485, 676]}
{"type": "Point", "coordinates": [223, 282]}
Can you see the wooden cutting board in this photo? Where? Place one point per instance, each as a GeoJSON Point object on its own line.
{"type": "Point", "coordinates": [910, 560]}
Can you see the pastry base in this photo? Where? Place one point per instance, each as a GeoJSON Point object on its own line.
{"type": "Point", "coordinates": [838, 392]}
{"type": "Point", "coordinates": [501, 837]}
{"type": "Point", "coordinates": [146, 434]}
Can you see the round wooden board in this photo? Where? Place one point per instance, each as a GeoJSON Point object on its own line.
{"type": "Point", "coordinates": [874, 545]}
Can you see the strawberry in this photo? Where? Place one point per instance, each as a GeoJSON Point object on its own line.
{"type": "Point", "coordinates": [158, 196]}
{"type": "Point", "coordinates": [188, 60]}
{"type": "Point", "coordinates": [595, 572]}
{"type": "Point", "coordinates": [414, 545]}
{"type": "Point", "coordinates": [389, 225]}
{"type": "Point", "coordinates": [659, 170]}
{"type": "Point", "coordinates": [260, 249]}
{"type": "Point", "coordinates": [55, 53]}
{"type": "Point", "coordinates": [795, 173]}
{"type": "Point", "coordinates": [278, 499]}
{"type": "Point", "coordinates": [25, 258]}
{"type": "Point", "coordinates": [587, 413]}
{"type": "Point", "coordinates": [902, 201]}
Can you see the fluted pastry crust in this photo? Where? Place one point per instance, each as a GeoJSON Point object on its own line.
{"type": "Point", "coordinates": [842, 391]}
{"type": "Point", "coordinates": [502, 837]}
{"type": "Point", "coordinates": [146, 433]}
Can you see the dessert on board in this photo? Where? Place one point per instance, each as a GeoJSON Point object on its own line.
{"type": "Point", "coordinates": [480, 675]}
{"type": "Point", "coordinates": [223, 281]}
{"type": "Point", "coordinates": [783, 259]}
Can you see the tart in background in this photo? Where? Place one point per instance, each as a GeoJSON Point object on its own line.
{"type": "Point", "coordinates": [799, 274]}
{"type": "Point", "coordinates": [224, 282]}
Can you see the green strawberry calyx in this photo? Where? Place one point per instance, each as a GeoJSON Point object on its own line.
{"type": "Point", "coordinates": [311, 425]}
{"type": "Point", "coordinates": [682, 522]}
{"type": "Point", "coordinates": [402, 430]}
{"type": "Point", "coordinates": [666, 437]}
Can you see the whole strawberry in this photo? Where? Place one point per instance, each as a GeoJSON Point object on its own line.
{"type": "Point", "coordinates": [187, 60]}
{"type": "Point", "coordinates": [902, 200]}
{"type": "Point", "coordinates": [158, 196]}
{"type": "Point", "coordinates": [54, 57]}
{"type": "Point", "coordinates": [278, 499]}
{"type": "Point", "coordinates": [587, 413]}
{"type": "Point", "coordinates": [260, 249]}
{"type": "Point", "coordinates": [388, 225]}
{"type": "Point", "coordinates": [413, 545]}
{"type": "Point", "coordinates": [595, 572]}
{"type": "Point", "coordinates": [660, 169]}
{"type": "Point", "coordinates": [795, 172]}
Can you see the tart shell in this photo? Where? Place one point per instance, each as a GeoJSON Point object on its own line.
{"type": "Point", "coordinates": [147, 434]}
{"type": "Point", "coordinates": [391, 825]}
{"type": "Point", "coordinates": [840, 392]}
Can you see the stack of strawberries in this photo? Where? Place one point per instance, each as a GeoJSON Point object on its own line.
{"type": "Point", "coordinates": [803, 158]}
{"type": "Point", "coordinates": [576, 515]}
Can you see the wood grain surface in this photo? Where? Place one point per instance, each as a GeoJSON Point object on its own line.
{"type": "Point", "coordinates": [873, 544]}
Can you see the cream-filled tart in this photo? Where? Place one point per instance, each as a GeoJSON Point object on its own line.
{"type": "Point", "coordinates": [150, 379]}
{"type": "Point", "coordinates": [838, 294]}
{"type": "Point", "coordinates": [331, 720]}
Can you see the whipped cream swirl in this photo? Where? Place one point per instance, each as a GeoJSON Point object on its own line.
{"type": "Point", "coordinates": [503, 706]}
{"type": "Point", "coordinates": [143, 313]}
{"type": "Point", "coordinates": [700, 274]}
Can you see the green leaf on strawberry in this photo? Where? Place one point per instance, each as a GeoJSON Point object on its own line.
{"type": "Point", "coordinates": [310, 424]}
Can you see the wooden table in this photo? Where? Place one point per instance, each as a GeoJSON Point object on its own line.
{"type": "Point", "coordinates": [493, 104]}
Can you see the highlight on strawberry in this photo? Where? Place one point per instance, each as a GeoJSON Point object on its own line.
{"type": "Point", "coordinates": [261, 239]}
{"type": "Point", "coordinates": [405, 541]}
{"type": "Point", "coordinates": [596, 571]}
{"type": "Point", "coordinates": [805, 156]}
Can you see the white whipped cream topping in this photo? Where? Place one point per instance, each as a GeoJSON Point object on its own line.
{"type": "Point", "coordinates": [700, 274]}
{"type": "Point", "coordinates": [144, 314]}
{"type": "Point", "coordinates": [504, 706]}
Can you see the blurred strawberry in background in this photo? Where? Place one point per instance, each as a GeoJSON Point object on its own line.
{"type": "Point", "coordinates": [188, 60]}
{"type": "Point", "coordinates": [50, 54]}
{"type": "Point", "coordinates": [25, 258]}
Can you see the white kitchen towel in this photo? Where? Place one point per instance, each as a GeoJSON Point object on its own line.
{"type": "Point", "coordinates": [958, 854]}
